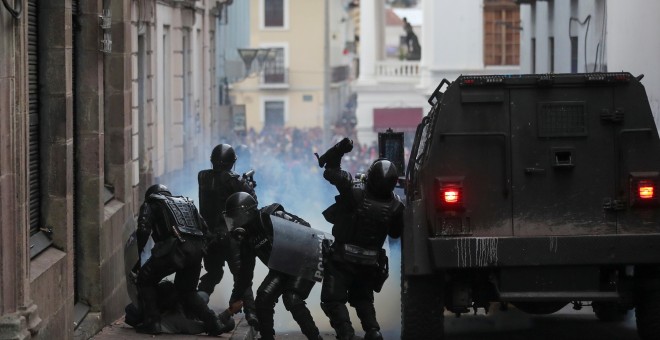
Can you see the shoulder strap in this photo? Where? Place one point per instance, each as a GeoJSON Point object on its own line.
{"type": "Point", "coordinates": [271, 209]}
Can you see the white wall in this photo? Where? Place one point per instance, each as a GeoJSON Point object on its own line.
{"type": "Point", "coordinates": [584, 19]}
{"type": "Point", "coordinates": [633, 44]}
{"type": "Point", "coordinates": [452, 42]}
{"type": "Point", "coordinates": [457, 38]}
{"type": "Point", "coordinates": [620, 36]}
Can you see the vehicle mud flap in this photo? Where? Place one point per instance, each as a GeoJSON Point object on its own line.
{"type": "Point", "coordinates": [297, 249]}
{"type": "Point", "coordinates": [415, 257]}
{"type": "Point", "coordinates": [422, 307]}
{"type": "Point", "coordinates": [647, 301]}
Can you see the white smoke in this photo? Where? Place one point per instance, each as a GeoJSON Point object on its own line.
{"type": "Point", "coordinates": [297, 183]}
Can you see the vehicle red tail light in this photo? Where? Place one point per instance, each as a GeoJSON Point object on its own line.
{"type": "Point", "coordinates": [646, 190]}
{"type": "Point", "coordinates": [449, 193]}
{"type": "Point", "coordinates": [451, 196]}
{"type": "Point", "coordinates": [643, 188]}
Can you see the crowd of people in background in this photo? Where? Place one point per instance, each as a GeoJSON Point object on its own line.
{"type": "Point", "coordinates": [296, 147]}
{"type": "Point", "coordinates": [284, 158]}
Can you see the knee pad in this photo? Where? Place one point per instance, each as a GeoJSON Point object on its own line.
{"type": "Point", "coordinates": [265, 299]}
{"type": "Point", "coordinates": [291, 299]}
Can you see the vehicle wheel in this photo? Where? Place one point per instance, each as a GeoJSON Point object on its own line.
{"type": "Point", "coordinates": [609, 311]}
{"type": "Point", "coordinates": [422, 307]}
{"type": "Point", "coordinates": [647, 311]}
{"type": "Point", "coordinates": [540, 308]}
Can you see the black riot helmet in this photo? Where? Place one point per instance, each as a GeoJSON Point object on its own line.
{"type": "Point", "coordinates": [381, 178]}
{"type": "Point", "coordinates": [223, 156]}
{"type": "Point", "coordinates": [240, 210]}
{"type": "Point", "coordinates": [157, 189]}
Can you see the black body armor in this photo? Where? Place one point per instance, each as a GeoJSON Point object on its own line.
{"type": "Point", "coordinates": [163, 217]}
{"type": "Point", "coordinates": [182, 214]}
{"type": "Point", "coordinates": [214, 188]}
{"type": "Point", "coordinates": [368, 225]}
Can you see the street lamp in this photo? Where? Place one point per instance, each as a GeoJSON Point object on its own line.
{"type": "Point", "coordinates": [262, 55]}
{"type": "Point", "coordinates": [248, 55]}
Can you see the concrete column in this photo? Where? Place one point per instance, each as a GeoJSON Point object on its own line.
{"type": "Point", "coordinates": [17, 313]}
{"type": "Point", "coordinates": [430, 55]}
{"type": "Point", "coordinates": [542, 51]}
{"type": "Point", "coordinates": [117, 103]}
{"type": "Point", "coordinates": [369, 34]}
{"type": "Point", "coordinates": [561, 17]}
{"type": "Point", "coordinates": [89, 152]}
{"type": "Point", "coordinates": [525, 38]}
{"type": "Point", "coordinates": [57, 164]}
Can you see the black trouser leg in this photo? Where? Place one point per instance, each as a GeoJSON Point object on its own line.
{"type": "Point", "coordinates": [294, 295]}
{"type": "Point", "coordinates": [185, 282]}
{"type": "Point", "coordinates": [361, 297]}
{"type": "Point", "coordinates": [334, 296]}
{"type": "Point", "coordinates": [233, 256]}
{"type": "Point", "coordinates": [213, 262]}
{"type": "Point", "coordinates": [149, 302]}
{"type": "Point", "coordinates": [367, 313]}
{"type": "Point", "coordinates": [303, 317]}
{"type": "Point", "coordinates": [154, 270]}
{"type": "Point", "coordinates": [267, 295]}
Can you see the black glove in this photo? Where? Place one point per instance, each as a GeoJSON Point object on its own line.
{"type": "Point", "coordinates": [332, 157]}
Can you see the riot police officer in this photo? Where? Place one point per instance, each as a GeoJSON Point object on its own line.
{"type": "Point", "coordinates": [177, 230]}
{"type": "Point", "coordinates": [364, 214]}
{"type": "Point", "coordinates": [255, 228]}
{"type": "Point", "coordinates": [215, 185]}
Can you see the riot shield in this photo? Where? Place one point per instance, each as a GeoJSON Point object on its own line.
{"type": "Point", "coordinates": [131, 264]}
{"type": "Point", "coordinates": [133, 261]}
{"type": "Point", "coordinates": [297, 250]}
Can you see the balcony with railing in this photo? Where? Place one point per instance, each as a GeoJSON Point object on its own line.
{"type": "Point", "coordinates": [397, 71]}
{"type": "Point", "coordinates": [274, 78]}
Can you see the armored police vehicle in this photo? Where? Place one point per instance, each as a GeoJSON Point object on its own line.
{"type": "Point", "coordinates": [534, 191]}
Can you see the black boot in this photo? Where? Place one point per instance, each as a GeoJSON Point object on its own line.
{"type": "Point", "coordinates": [304, 319]}
{"type": "Point", "coordinates": [339, 319]}
{"type": "Point", "coordinates": [251, 318]}
{"type": "Point", "coordinates": [373, 334]}
{"type": "Point", "coordinates": [266, 323]}
{"type": "Point", "coordinates": [133, 315]}
{"type": "Point", "coordinates": [214, 327]}
{"type": "Point", "coordinates": [249, 307]}
{"type": "Point", "coordinates": [266, 336]}
{"type": "Point", "coordinates": [227, 320]}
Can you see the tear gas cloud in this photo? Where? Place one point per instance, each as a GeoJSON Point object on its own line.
{"type": "Point", "coordinates": [288, 173]}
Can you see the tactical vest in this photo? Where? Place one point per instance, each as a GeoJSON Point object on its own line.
{"type": "Point", "coordinates": [179, 215]}
{"type": "Point", "coordinates": [214, 189]}
{"type": "Point", "coordinates": [368, 224]}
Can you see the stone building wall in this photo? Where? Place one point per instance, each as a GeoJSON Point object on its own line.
{"type": "Point", "coordinates": [101, 144]}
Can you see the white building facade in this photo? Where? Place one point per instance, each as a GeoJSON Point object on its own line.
{"type": "Point", "coordinates": [455, 39]}
{"type": "Point", "coordinates": [593, 36]}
